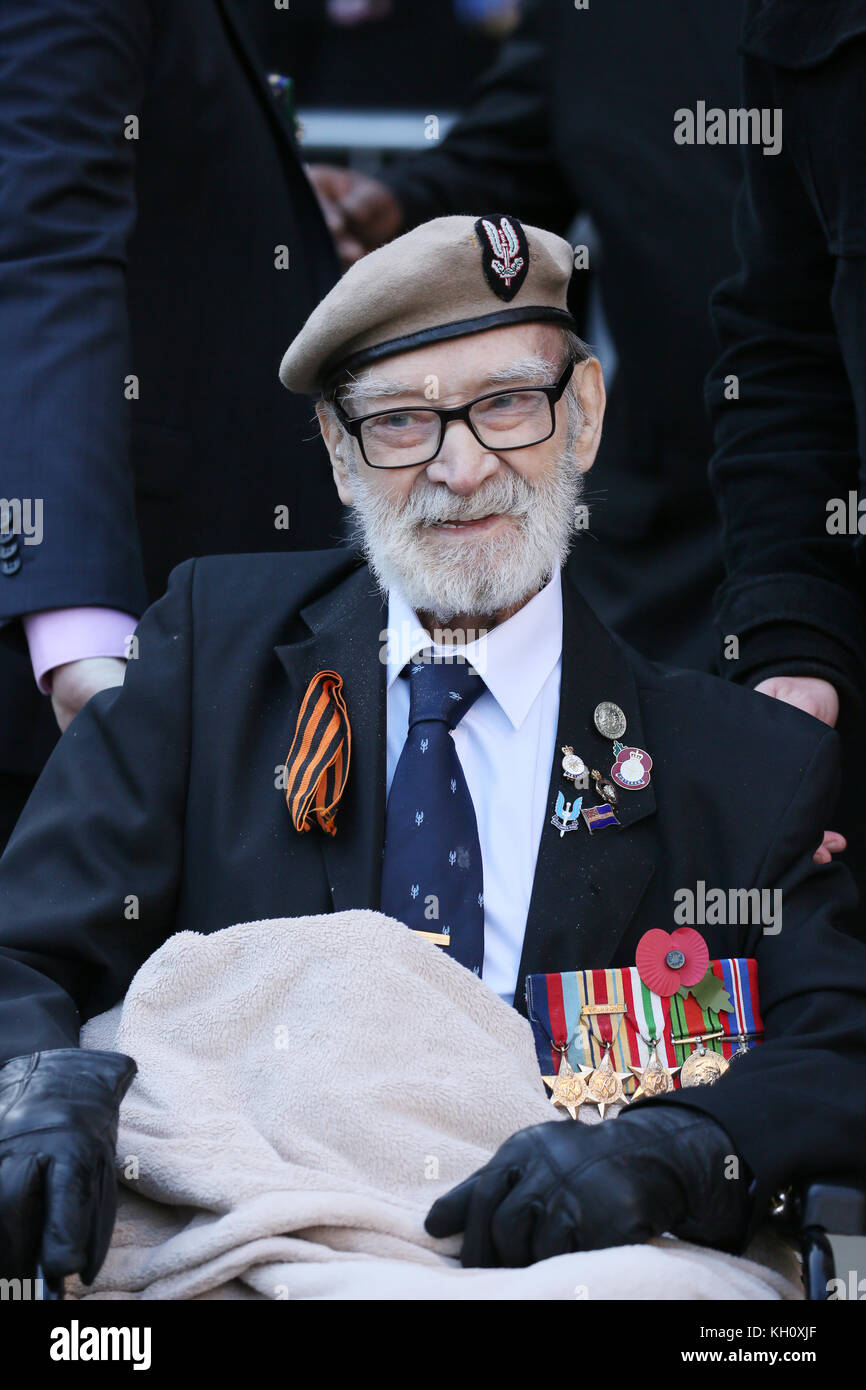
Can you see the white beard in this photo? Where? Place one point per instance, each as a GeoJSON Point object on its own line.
{"type": "Point", "coordinates": [477, 578]}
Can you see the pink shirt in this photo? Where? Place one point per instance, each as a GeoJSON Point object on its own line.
{"type": "Point", "coordinates": [70, 634]}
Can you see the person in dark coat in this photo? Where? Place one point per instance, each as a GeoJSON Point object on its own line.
{"type": "Point", "coordinates": [165, 787]}
{"type": "Point", "coordinates": [578, 115]}
{"type": "Point", "coordinates": [158, 236]}
{"type": "Point", "coordinates": [788, 392]}
{"type": "Point", "coordinates": [381, 55]}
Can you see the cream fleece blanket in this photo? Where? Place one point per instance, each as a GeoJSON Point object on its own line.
{"type": "Point", "coordinates": [306, 1088]}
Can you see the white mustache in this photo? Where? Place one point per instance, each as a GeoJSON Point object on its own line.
{"type": "Point", "coordinates": [435, 503]}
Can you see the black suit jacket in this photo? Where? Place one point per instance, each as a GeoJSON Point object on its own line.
{"type": "Point", "coordinates": [152, 257]}
{"type": "Point", "coordinates": [577, 115]}
{"type": "Point", "coordinates": [792, 327]}
{"type": "Point", "coordinates": [161, 810]}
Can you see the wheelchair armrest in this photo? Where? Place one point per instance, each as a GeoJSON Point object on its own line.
{"type": "Point", "coordinates": [835, 1204]}
{"type": "Point", "coordinates": [832, 1205]}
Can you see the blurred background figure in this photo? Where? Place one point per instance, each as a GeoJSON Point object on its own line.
{"type": "Point", "coordinates": [159, 245]}
{"type": "Point", "coordinates": [387, 55]}
{"type": "Point", "coordinates": [572, 128]}
{"type": "Point", "coordinates": [791, 436]}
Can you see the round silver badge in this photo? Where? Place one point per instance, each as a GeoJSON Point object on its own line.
{"type": "Point", "coordinates": [609, 720]}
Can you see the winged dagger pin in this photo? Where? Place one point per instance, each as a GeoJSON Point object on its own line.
{"type": "Point", "coordinates": [505, 247]}
{"type": "Point", "coordinates": [565, 817]}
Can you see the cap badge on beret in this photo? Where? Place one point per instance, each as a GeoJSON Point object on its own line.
{"type": "Point", "coordinates": [504, 254]}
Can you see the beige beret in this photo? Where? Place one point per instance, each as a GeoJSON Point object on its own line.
{"type": "Point", "coordinates": [444, 279]}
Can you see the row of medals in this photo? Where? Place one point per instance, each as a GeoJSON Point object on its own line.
{"type": "Point", "coordinates": [601, 1085]}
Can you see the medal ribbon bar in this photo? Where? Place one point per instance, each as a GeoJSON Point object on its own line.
{"type": "Point", "coordinates": [555, 1003]}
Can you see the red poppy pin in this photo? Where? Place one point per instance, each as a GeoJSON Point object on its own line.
{"type": "Point", "coordinates": [670, 961]}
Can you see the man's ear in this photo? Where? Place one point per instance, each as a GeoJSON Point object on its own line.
{"type": "Point", "coordinates": [336, 443]}
{"type": "Point", "coordinates": [589, 384]}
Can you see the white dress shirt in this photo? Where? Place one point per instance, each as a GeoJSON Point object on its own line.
{"type": "Point", "coordinates": [505, 744]}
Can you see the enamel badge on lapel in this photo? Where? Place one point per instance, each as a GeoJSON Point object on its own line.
{"type": "Point", "coordinates": [574, 770]}
{"type": "Point", "coordinates": [599, 817]}
{"type": "Point", "coordinates": [565, 817]}
{"type": "Point", "coordinates": [573, 767]}
{"type": "Point", "coordinates": [631, 768]}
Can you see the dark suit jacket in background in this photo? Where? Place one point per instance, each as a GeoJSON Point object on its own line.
{"type": "Point", "coordinates": [167, 788]}
{"type": "Point", "coordinates": [792, 327]}
{"type": "Point", "coordinates": [419, 56]}
{"type": "Point", "coordinates": [154, 257]}
{"type": "Point", "coordinates": [577, 115]}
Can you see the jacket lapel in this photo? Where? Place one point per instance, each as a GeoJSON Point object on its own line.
{"type": "Point", "coordinates": [238, 26]}
{"type": "Point", "coordinates": [346, 636]}
{"type": "Point", "coordinates": [587, 887]}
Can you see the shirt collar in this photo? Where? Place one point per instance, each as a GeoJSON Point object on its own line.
{"type": "Point", "coordinates": [514, 659]}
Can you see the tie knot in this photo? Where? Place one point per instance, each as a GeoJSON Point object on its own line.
{"type": "Point", "coordinates": [442, 691]}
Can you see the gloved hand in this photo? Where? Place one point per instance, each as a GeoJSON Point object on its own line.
{"type": "Point", "coordinates": [58, 1132]}
{"type": "Point", "coordinates": [564, 1186]}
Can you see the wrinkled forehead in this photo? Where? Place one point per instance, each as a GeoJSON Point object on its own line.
{"type": "Point", "coordinates": [531, 353]}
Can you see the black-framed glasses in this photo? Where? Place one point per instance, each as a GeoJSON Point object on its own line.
{"type": "Point", "coordinates": [499, 420]}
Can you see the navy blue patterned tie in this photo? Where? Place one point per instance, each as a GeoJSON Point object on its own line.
{"type": "Point", "coordinates": [432, 876]}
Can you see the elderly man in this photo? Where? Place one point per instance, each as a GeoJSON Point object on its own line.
{"type": "Point", "coordinates": [424, 698]}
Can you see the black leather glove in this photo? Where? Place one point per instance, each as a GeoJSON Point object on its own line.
{"type": "Point", "coordinates": [58, 1133]}
{"type": "Point", "coordinates": [565, 1186]}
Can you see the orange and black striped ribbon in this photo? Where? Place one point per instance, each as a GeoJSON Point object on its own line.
{"type": "Point", "coordinates": [318, 761]}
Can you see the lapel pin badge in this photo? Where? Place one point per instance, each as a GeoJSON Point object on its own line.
{"type": "Point", "coordinates": [574, 770]}
{"type": "Point", "coordinates": [632, 766]}
{"type": "Point", "coordinates": [599, 817]}
{"type": "Point", "coordinates": [573, 767]}
{"type": "Point", "coordinates": [565, 817]}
